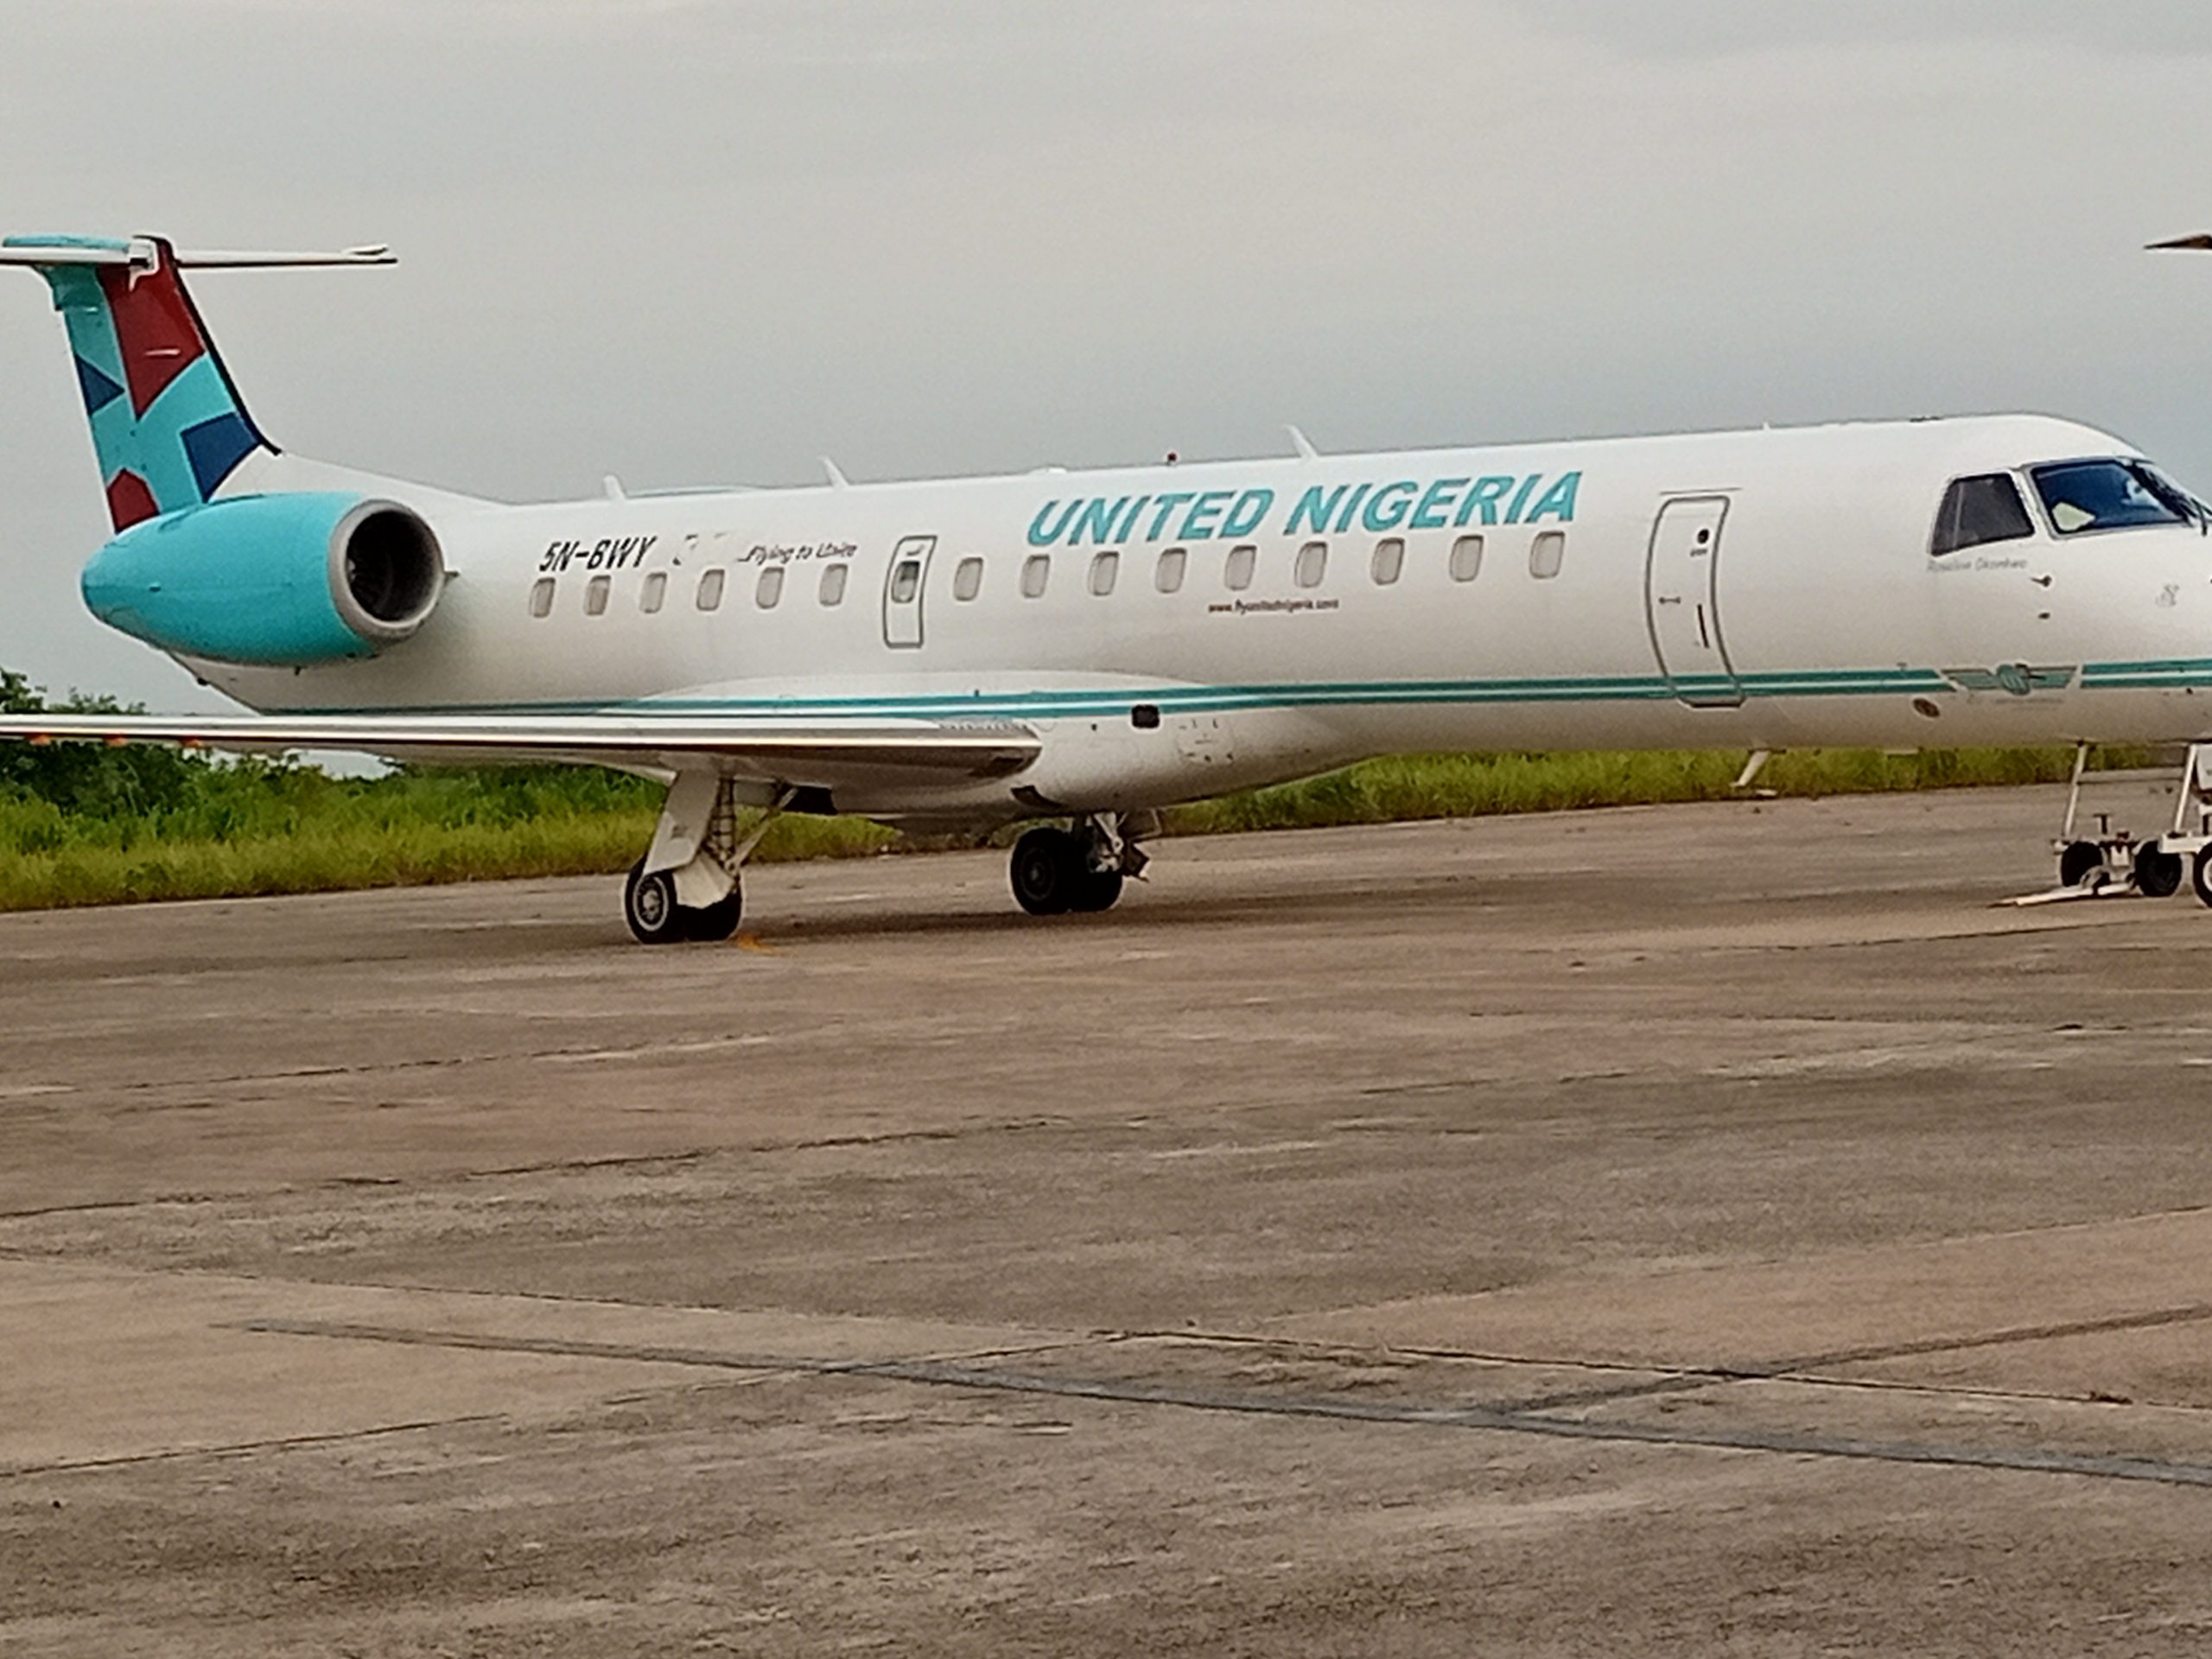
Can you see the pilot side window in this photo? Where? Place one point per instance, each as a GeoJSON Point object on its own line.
{"type": "Point", "coordinates": [770, 587]}
{"type": "Point", "coordinates": [1237, 570]}
{"type": "Point", "coordinates": [833, 584]}
{"type": "Point", "coordinates": [1546, 554]}
{"type": "Point", "coordinates": [1036, 570]}
{"type": "Point", "coordinates": [1168, 577]}
{"type": "Point", "coordinates": [967, 579]}
{"type": "Point", "coordinates": [1104, 570]}
{"type": "Point", "coordinates": [541, 597]}
{"type": "Point", "coordinates": [655, 590]}
{"type": "Point", "coordinates": [710, 590]}
{"type": "Point", "coordinates": [1978, 510]}
{"type": "Point", "coordinates": [1390, 562]}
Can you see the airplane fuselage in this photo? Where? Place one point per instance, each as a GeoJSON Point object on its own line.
{"type": "Point", "coordinates": [1172, 632]}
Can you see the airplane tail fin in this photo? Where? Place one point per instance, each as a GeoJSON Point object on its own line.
{"type": "Point", "coordinates": [167, 423]}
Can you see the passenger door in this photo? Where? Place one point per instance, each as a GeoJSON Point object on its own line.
{"type": "Point", "coordinates": [1682, 592]}
{"type": "Point", "coordinates": [903, 586]}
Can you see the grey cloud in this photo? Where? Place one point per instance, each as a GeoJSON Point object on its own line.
{"type": "Point", "coordinates": [692, 242]}
{"type": "Point", "coordinates": [2131, 27]}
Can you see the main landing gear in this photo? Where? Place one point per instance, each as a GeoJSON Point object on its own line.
{"type": "Point", "coordinates": [2112, 862]}
{"type": "Point", "coordinates": [1055, 871]}
{"type": "Point", "coordinates": [687, 888]}
{"type": "Point", "coordinates": [656, 916]}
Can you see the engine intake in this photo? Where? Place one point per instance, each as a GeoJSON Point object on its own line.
{"type": "Point", "coordinates": [386, 571]}
{"type": "Point", "coordinates": [290, 580]}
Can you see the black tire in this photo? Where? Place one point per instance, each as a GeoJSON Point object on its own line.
{"type": "Point", "coordinates": [649, 905]}
{"type": "Point", "coordinates": [2158, 873]}
{"type": "Point", "coordinates": [1045, 872]}
{"type": "Point", "coordinates": [712, 923]}
{"type": "Point", "coordinates": [2200, 874]}
{"type": "Point", "coordinates": [2078, 861]}
{"type": "Point", "coordinates": [1098, 890]}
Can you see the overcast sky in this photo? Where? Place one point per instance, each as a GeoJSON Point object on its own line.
{"type": "Point", "coordinates": [689, 241]}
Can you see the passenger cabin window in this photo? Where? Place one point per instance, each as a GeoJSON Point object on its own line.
{"type": "Point", "coordinates": [1312, 564]}
{"type": "Point", "coordinates": [1237, 569]}
{"type": "Point", "coordinates": [655, 590]}
{"type": "Point", "coordinates": [967, 579]}
{"type": "Point", "coordinates": [596, 595]}
{"type": "Point", "coordinates": [833, 584]}
{"type": "Point", "coordinates": [1168, 575]}
{"type": "Point", "coordinates": [906, 581]}
{"type": "Point", "coordinates": [541, 597]}
{"type": "Point", "coordinates": [2084, 495]}
{"type": "Point", "coordinates": [1980, 509]}
{"type": "Point", "coordinates": [710, 590]}
{"type": "Point", "coordinates": [770, 589]}
{"type": "Point", "coordinates": [1036, 570]}
{"type": "Point", "coordinates": [1104, 570]}
{"type": "Point", "coordinates": [1390, 562]}
{"type": "Point", "coordinates": [1466, 558]}
{"type": "Point", "coordinates": [1546, 553]}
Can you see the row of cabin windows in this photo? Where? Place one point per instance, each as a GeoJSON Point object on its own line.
{"type": "Point", "coordinates": [1546, 554]}
{"type": "Point", "coordinates": [1309, 567]}
{"type": "Point", "coordinates": [652, 593]}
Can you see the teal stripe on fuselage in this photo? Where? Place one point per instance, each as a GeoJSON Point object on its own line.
{"type": "Point", "coordinates": [1219, 699]}
{"type": "Point", "coordinates": [2172, 675]}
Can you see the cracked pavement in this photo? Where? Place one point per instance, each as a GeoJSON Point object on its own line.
{"type": "Point", "coordinates": [1708, 1229]}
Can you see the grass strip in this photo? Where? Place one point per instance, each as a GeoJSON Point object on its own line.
{"type": "Point", "coordinates": [236, 830]}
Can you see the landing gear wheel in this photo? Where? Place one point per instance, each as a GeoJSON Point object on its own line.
{"type": "Point", "coordinates": [2157, 873]}
{"type": "Point", "coordinates": [1098, 890]}
{"type": "Point", "coordinates": [2200, 874]}
{"type": "Point", "coordinates": [1047, 872]}
{"type": "Point", "coordinates": [712, 923]}
{"type": "Point", "coordinates": [2078, 862]}
{"type": "Point", "coordinates": [649, 905]}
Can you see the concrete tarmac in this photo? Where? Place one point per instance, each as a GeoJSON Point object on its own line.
{"type": "Point", "coordinates": [1708, 1229]}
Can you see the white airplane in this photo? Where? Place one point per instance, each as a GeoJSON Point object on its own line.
{"type": "Point", "coordinates": [1093, 646]}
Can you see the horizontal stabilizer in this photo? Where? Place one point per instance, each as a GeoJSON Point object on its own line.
{"type": "Point", "coordinates": [828, 753]}
{"type": "Point", "coordinates": [144, 253]}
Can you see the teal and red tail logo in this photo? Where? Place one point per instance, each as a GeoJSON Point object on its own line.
{"type": "Point", "coordinates": [167, 424]}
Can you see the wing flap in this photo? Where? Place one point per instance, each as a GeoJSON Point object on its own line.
{"type": "Point", "coordinates": [825, 752]}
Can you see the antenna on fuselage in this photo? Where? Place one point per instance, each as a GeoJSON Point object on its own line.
{"type": "Point", "coordinates": [2202, 242]}
{"type": "Point", "coordinates": [1303, 444]}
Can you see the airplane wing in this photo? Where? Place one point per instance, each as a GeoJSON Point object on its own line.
{"type": "Point", "coordinates": [827, 753]}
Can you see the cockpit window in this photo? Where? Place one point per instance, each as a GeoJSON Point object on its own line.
{"type": "Point", "coordinates": [2084, 495]}
{"type": "Point", "coordinates": [1978, 510]}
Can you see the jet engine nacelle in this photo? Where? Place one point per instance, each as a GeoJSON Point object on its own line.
{"type": "Point", "coordinates": [271, 580]}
